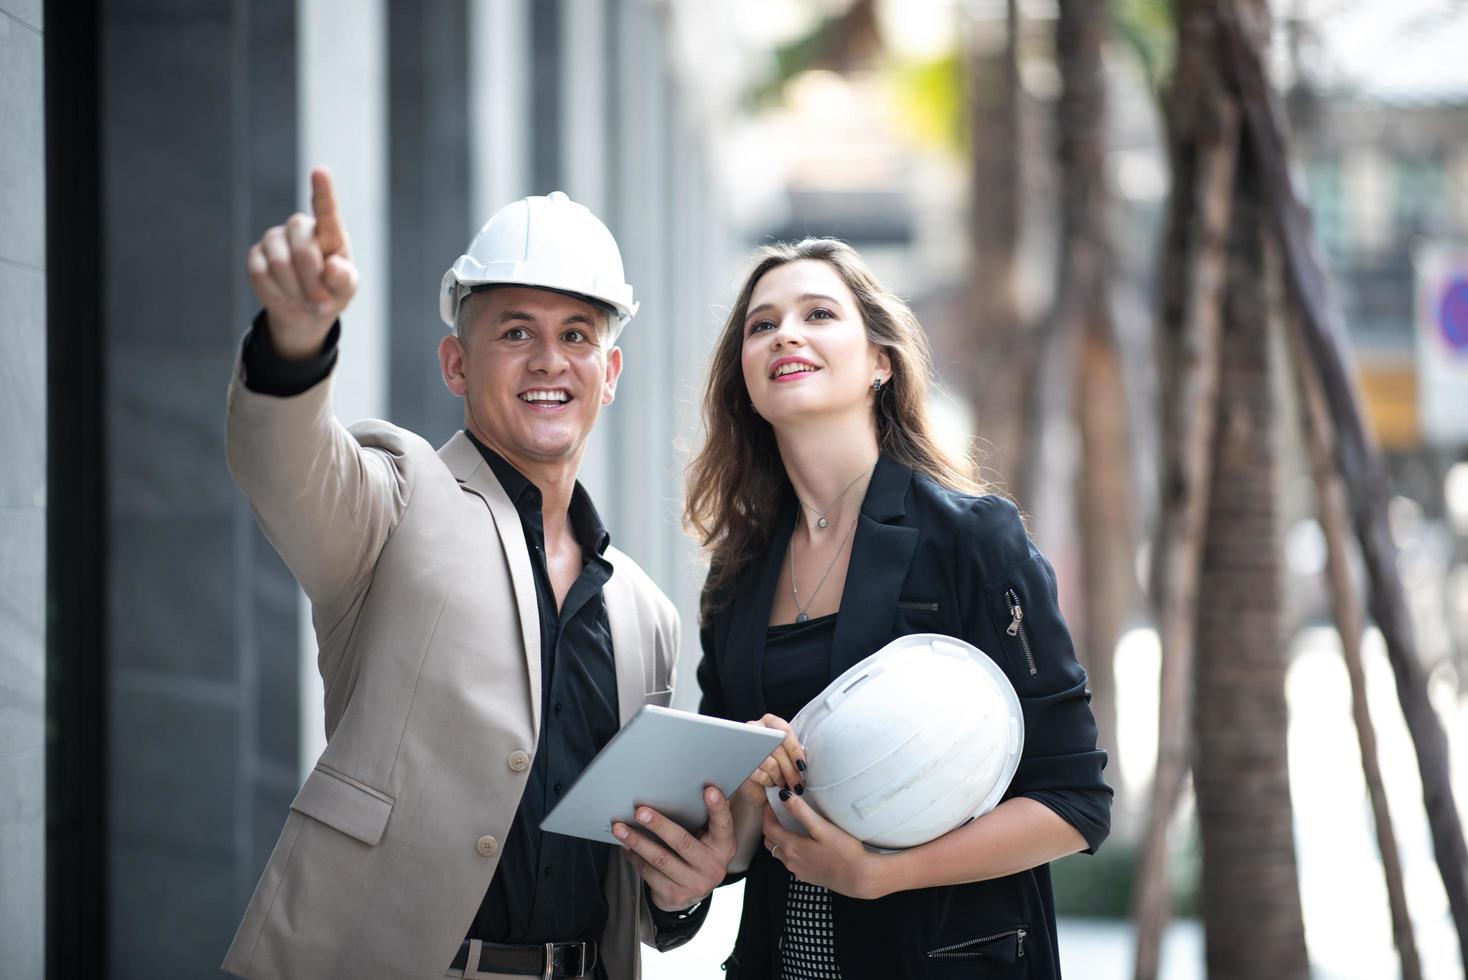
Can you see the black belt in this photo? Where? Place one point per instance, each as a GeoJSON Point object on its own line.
{"type": "Point", "coordinates": [546, 960]}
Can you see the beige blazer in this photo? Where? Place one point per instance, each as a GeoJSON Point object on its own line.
{"type": "Point", "coordinates": [423, 601]}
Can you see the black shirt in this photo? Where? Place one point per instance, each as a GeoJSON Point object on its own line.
{"type": "Point", "coordinates": [797, 664]}
{"type": "Point", "coordinates": [548, 887]}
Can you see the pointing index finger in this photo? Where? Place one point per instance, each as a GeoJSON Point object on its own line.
{"type": "Point", "coordinates": [330, 234]}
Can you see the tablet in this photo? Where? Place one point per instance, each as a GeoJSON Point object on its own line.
{"type": "Point", "coordinates": [662, 758]}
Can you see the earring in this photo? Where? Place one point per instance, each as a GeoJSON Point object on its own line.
{"type": "Point", "coordinates": [877, 386]}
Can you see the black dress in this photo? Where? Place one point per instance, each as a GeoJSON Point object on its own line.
{"type": "Point", "coordinates": [797, 656]}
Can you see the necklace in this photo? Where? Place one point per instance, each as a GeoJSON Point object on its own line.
{"type": "Point", "coordinates": [801, 615]}
{"type": "Point", "coordinates": [821, 521]}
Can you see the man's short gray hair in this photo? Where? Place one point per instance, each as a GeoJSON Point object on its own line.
{"type": "Point", "coordinates": [461, 312]}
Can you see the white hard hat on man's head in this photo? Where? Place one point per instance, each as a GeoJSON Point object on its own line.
{"type": "Point", "coordinates": [914, 741]}
{"type": "Point", "coordinates": [546, 242]}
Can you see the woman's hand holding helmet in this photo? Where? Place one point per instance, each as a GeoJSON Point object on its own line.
{"type": "Point", "coordinates": [825, 854]}
{"type": "Point", "coordinates": [783, 769]}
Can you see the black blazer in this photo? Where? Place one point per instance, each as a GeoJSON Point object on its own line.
{"type": "Point", "coordinates": [929, 559]}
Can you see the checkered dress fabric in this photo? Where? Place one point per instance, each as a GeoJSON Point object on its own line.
{"type": "Point", "coordinates": [808, 950]}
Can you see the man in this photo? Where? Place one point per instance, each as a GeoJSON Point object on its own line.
{"type": "Point", "coordinates": [479, 639]}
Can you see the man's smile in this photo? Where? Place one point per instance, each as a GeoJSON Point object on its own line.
{"type": "Point", "coordinates": [546, 399]}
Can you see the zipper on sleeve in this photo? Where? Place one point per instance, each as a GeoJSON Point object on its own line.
{"type": "Point", "coordinates": [1017, 628]}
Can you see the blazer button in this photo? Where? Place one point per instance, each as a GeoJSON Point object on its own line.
{"type": "Point", "coordinates": [487, 846]}
{"type": "Point", "coordinates": [519, 761]}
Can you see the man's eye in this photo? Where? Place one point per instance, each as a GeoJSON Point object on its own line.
{"type": "Point", "coordinates": [575, 336]}
{"type": "Point", "coordinates": [516, 333]}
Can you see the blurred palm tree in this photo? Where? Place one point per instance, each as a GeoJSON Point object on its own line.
{"type": "Point", "coordinates": [1250, 896]}
{"type": "Point", "coordinates": [1215, 574]}
{"type": "Point", "coordinates": [1081, 357]}
{"type": "Point", "coordinates": [998, 362]}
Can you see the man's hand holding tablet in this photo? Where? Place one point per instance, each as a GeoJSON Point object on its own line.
{"type": "Point", "coordinates": [680, 869]}
{"type": "Point", "coordinates": [659, 789]}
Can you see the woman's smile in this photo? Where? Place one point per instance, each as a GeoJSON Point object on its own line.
{"type": "Point", "coordinates": [788, 369]}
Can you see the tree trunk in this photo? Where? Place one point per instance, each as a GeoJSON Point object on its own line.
{"type": "Point", "coordinates": [996, 343]}
{"type": "Point", "coordinates": [1356, 458]}
{"type": "Point", "coordinates": [1330, 499]}
{"type": "Point", "coordinates": [1252, 921]}
{"type": "Point", "coordinates": [1077, 349]}
{"type": "Point", "coordinates": [1104, 498]}
{"type": "Point", "coordinates": [1080, 295]}
{"type": "Point", "coordinates": [1203, 145]}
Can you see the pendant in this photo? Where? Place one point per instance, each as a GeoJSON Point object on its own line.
{"type": "Point", "coordinates": [801, 617]}
{"type": "Point", "coordinates": [823, 523]}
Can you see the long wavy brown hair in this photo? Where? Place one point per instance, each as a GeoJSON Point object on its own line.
{"type": "Point", "coordinates": [737, 485]}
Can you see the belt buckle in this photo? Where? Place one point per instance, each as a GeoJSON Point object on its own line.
{"type": "Point", "coordinates": [550, 962]}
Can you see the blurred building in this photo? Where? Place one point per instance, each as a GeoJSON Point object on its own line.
{"type": "Point", "coordinates": [158, 695]}
{"type": "Point", "coordinates": [1378, 98]}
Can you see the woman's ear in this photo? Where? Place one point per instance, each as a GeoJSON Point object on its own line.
{"type": "Point", "coordinates": [883, 366]}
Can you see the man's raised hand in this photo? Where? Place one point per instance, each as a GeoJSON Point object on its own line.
{"type": "Point", "coordinates": [302, 273]}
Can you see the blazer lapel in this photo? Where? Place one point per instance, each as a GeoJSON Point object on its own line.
{"type": "Point", "coordinates": [881, 554]}
{"type": "Point", "coordinates": [475, 476]}
{"type": "Point", "coordinates": [634, 679]}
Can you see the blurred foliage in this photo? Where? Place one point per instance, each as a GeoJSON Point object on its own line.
{"type": "Point", "coordinates": [932, 92]}
{"type": "Point", "coordinates": [794, 57]}
{"type": "Point", "coordinates": [840, 41]}
{"type": "Point", "coordinates": [929, 94]}
{"type": "Point", "coordinates": [1099, 886]}
{"type": "Point", "coordinates": [1146, 29]}
{"type": "Point", "coordinates": [930, 98]}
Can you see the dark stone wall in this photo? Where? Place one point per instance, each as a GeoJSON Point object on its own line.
{"type": "Point", "coordinates": [428, 202]}
{"type": "Point", "coordinates": [198, 157]}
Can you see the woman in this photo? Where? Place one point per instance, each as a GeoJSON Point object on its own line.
{"type": "Point", "coordinates": [834, 524]}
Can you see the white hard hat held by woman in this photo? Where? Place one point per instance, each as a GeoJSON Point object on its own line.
{"type": "Point", "coordinates": [835, 524]}
{"type": "Point", "coordinates": [916, 740]}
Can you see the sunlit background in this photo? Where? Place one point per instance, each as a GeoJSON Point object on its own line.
{"type": "Point", "coordinates": [158, 696]}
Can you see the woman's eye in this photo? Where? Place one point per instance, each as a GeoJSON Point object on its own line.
{"type": "Point", "coordinates": [761, 326]}
{"type": "Point", "coordinates": [821, 313]}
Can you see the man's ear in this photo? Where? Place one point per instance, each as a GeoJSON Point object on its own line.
{"type": "Point", "coordinates": [453, 361]}
{"type": "Point", "coordinates": [614, 371]}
